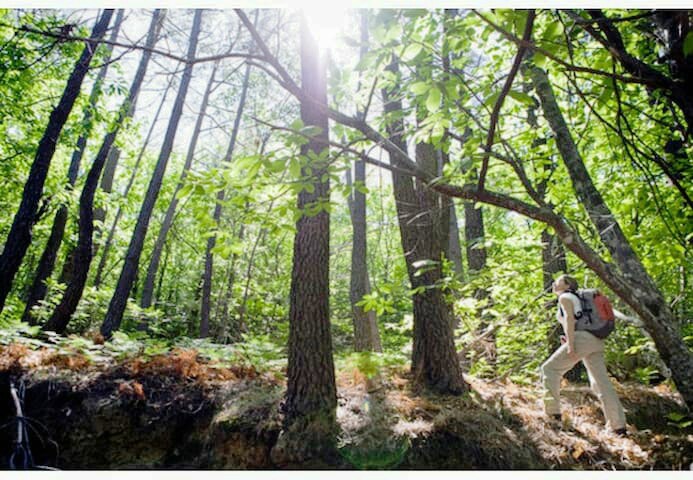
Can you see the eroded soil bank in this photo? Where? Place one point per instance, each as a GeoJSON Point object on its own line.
{"type": "Point", "coordinates": [178, 411]}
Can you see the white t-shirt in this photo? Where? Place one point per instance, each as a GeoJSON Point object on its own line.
{"type": "Point", "coordinates": [577, 307]}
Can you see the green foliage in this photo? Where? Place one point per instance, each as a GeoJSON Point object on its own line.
{"type": "Point", "coordinates": [254, 239]}
{"type": "Point", "coordinates": [679, 420]}
{"type": "Point", "coordinates": [262, 352]}
{"type": "Point", "coordinates": [370, 364]}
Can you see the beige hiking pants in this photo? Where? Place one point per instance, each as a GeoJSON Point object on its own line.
{"type": "Point", "coordinates": [590, 350]}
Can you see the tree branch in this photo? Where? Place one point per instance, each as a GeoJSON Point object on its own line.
{"type": "Point", "coordinates": [70, 38]}
{"type": "Point", "coordinates": [567, 65]}
{"type": "Point", "coordinates": [527, 34]}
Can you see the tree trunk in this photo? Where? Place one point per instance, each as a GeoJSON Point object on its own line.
{"type": "Point", "coordinates": [229, 332]}
{"type": "Point", "coordinates": [116, 308]}
{"type": "Point", "coordinates": [311, 396]}
{"type": "Point", "coordinates": [633, 285]}
{"type": "Point", "coordinates": [83, 253]}
{"type": "Point", "coordinates": [221, 195]}
{"type": "Point", "coordinates": [112, 163]}
{"type": "Point", "coordinates": [148, 288]}
{"type": "Point", "coordinates": [434, 360]}
{"type": "Point", "coordinates": [366, 335]}
{"type": "Point", "coordinates": [111, 232]}
{"type": "Point", "coordinates": [454, 247]}
{"type": "Point", "coordinates": [38, 289]}
{"type": "Point", "coordinates": [474, 236]}
{"type": "Point", "coordinates": [19, 238]}
{"type": "Point", "coordinates": [453, 250]}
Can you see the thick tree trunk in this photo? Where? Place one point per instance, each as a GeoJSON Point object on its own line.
{"type": "Point", "coordinates": [116, 308]}
{"type": "Point", "coordinates": [83, 253]}
{"type": "Point", "coordinates": [633, 284]}
{"type": "Point", "coordinates": [38, 289]}
{"type": "Point", "coordinates": [311, 396]}
{"type": "Point", "coordinates": [148, 289]}
{"type": "Point", "coordinates": [111, 232]}
{"type": "Point", "coordinates": [19, 238]}
{"type": "Point", "coordinates": [221, 195]}
{"type": "Point", "coordinates": [434, 360]}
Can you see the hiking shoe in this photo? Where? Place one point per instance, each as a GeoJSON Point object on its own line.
{"type": "Point", "coordinates": [557, 417]}
{"type": "Point", "coordinates": [621, 432]}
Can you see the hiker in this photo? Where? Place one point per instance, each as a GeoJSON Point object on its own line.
{"type": "Point", "coordinates": [579, 345]}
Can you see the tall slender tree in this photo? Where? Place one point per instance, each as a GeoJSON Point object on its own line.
{"type": "Point", "coordinates": [82, 255]}
{"type": "Point", "coordinates": [131, 181]}
{"type": "Point", "coordinates": [116, 307]}
{"type": "Point", "coordinates": [38, 288]}
{"type": "Point", "coordinates": [109, 169]}
{"type": "Point", "coordinates": [366, 334]}
{"type": "Point", "coordinates": [148, 289]}
{"type": "Point", "coordinates": [220, 197]}
{"type": "Point", "coordinates": [453, 249]}
{"type": "Point", "coordinates": [19, 238]}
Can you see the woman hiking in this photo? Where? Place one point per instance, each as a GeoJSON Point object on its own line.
{"type": "Point", "coordinates": [579, 345]}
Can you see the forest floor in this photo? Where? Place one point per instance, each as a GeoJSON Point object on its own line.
{"type": "Point", "coordinates": [179, 410]}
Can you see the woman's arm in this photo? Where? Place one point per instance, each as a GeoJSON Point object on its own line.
{"type": "Point", "coordinates": [567, 306]}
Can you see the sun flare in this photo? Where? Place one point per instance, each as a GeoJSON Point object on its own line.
{"type": "Point", "coordinates": [326, 23]}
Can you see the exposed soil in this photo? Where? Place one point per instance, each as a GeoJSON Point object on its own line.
{"type": "Point", "coordinates": [178, 411]}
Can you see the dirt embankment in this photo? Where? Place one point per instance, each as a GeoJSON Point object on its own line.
{"type": "Point", "coordinates": [176, 411]}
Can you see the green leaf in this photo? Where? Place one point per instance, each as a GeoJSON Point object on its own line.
{"type": "Point", "coordinates": [411, 52]}
{"type": "Point", "coordinates": [433, 100]}
{"type": "Point", "coordinates": [676, 416]}
{"type": "Point", "coordinates": [521, 97]}
{"type": "Point", "coordinates": [424, 263]}
{"type": "Point", "coordinates": [688, 44]}
{"type": "Point", "coordinates": [419, 88]}
{"type": "Point", "coordinates": [553, 30]}
{"type": "Point", "coordinates": [295, 168]}
{"type": "Point", "coordinates": [311, 131]}
{"type": "Point", "coordinates": [539, 59]}
{"type": "Point", "coordinates": [491, 99]}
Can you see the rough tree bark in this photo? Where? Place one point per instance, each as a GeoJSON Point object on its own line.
{"type": "Point", "coordinates": [83, 252]}
{"type": "Point", "coordinates": [434, 360]}
{"type": "Point", "coordinates": [38, 289]}
{"type": "Point", "coordinates": [311, 397]}
{"type": "Point", "coordinates": [19, 238]}
{"type": "Point", "coordinates": [636, 287]}
{"type": "Point", "coordinates": [116, 307]}
{"type": "Point", "coordinates": [148, 289]}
